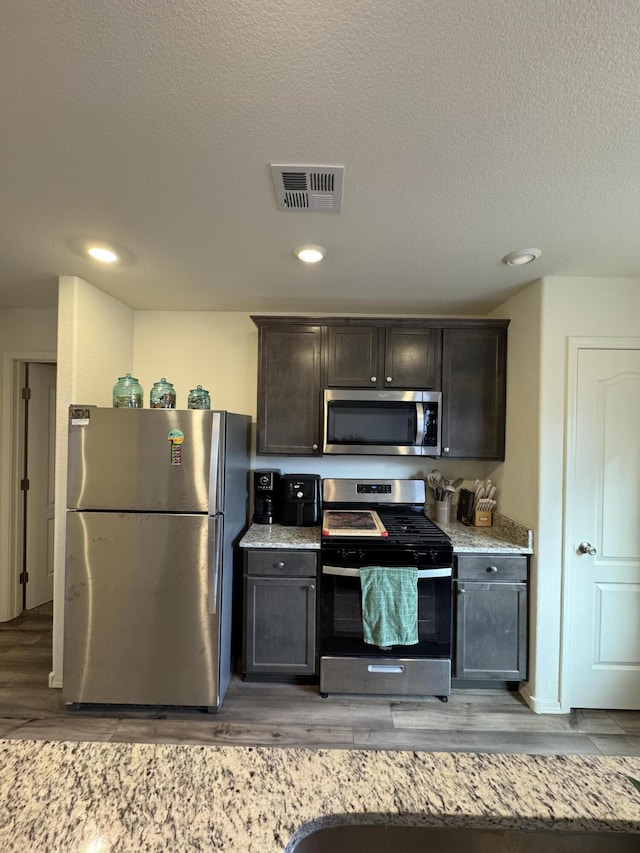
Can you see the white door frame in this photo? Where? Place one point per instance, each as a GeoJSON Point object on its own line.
{"type": "Point", "coordinates": [11, 469]}
{"type": "Point", "coordinates": [574, 345]}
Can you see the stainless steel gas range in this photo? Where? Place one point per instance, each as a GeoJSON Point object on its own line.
{"type": "Point", "coordinates": [381, 523]}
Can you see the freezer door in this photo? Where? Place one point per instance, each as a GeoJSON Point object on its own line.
{"type": "Point", "coordinates": [142, 459]}
{"type": "Point", "coordinates": [138, 627]}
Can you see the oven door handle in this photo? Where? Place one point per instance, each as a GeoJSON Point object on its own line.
{"type": "Point", "coordinates": [355, 573]}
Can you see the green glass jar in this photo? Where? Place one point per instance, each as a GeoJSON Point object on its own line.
{"type": "Point", "coordinates": [198, 398]}
{"type": "Point", "coordinates": [163, 395]}
{"type": "Point", "coordinates": [127, 393]}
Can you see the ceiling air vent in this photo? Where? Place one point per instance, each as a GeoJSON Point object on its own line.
{"type": "Point", "coordinates": [309, 188]}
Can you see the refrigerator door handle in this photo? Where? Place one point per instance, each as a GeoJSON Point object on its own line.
{"type": "Point", "coordinates": [215, 486]}
{"type": "Point", "coordinates": [214, 560]}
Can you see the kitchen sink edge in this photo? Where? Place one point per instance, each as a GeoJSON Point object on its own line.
{"type": "Point", "coordinates": [406, 833]}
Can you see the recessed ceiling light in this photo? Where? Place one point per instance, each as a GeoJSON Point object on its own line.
{"type": "Point", "coordinates": [100, 253]}
{"type": "Point", "coordinates": [521, 257]}
{"type": "Point", "coordinates": [310, 254]}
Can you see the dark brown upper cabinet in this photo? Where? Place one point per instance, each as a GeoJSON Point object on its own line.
{"type": "Point", "coordinates": [383, 357]}
{"type": "Point", "coordinates": [289, 389]}
{"type": "Point", "coordinates": [474, 392]}
{"type": "Point", "coordinates": [300, 356]}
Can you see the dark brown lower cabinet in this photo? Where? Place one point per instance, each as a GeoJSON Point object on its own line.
{"type": "Point", "coordinates": [491, 618]}
{"type": "Point", "coordinates": [280, 620]}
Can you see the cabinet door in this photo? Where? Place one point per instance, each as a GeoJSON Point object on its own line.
{"type": "Point", "coordinates": [491, 631]}
{"type": "Point", "coordinates": [473, 392]}
{"type": "Point", "coordinates": [412, 358]}
{"type": "Point", "coordinates": [280, 625]}
{"type": "Point", "coordinates": [352, 357]}
{"type": "Point", "coordinates": [289, 390]}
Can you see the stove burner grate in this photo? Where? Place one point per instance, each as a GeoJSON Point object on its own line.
{"type": "Point", "coordinates": [406, 529]}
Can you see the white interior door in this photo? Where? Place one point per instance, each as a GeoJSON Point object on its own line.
{"type": "Point", "coordinates": [41, 423]}
{"type": "Point", "coordinates": [603, 530]}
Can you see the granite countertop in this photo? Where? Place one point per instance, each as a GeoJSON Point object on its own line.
{"type": "Point", "coordinates": [281, 536]}
{"type": "Point", "coordinates": [504, 537]}
{"type": "Point", "coordinates": [115, 798]}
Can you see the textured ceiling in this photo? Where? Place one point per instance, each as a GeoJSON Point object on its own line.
{"type": "Point", "coordinates": [467, 128]}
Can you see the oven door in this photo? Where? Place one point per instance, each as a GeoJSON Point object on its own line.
{"type": "Point", "coordinates": [341, 632]}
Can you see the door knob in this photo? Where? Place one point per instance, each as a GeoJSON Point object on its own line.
{"type": "Point", "coordinates": [587, 548]}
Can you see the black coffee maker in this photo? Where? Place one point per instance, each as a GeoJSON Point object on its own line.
{"type": "Point", "coordinates": [266, 495]}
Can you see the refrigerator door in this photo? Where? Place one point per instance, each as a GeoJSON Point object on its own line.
{"type": "Point", "coordinates": [155, 460]}
{"type": "Point", "coordinates": [138, 622]}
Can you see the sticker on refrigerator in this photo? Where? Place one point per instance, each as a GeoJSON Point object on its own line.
{"type": "Point", "coordinates": [176, 437]}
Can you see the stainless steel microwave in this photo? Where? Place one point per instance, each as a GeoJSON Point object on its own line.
{"type": "Point", "coordinates": [382, 423]}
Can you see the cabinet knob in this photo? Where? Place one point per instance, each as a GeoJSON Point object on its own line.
{"type": "Point", "coordinates": [281, 564]}
{"type": "Point", "coordinates": [389, 378]}
{"type": "Point", "coordinates": [445, 449]}
{"type": "Point", "coordinates": [374, 378]}
{"type": "Point", "coordinates": [492, 568]}
{"type": "Point", "coordinates": [314, 446]}
{"type": "Point", "coordinates": [313, 586]}
{"type": "Point", "coordinates": [461, 590]}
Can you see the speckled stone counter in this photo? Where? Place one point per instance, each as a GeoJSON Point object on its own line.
{"type": "Point", "coordinates": [281, 536]}
{"type": "Point", "coordinates": [486, 540]}
{"type": "Point", "coordinates": [115, 798]}
{"type": "Point", "coordinates": [505, 537]}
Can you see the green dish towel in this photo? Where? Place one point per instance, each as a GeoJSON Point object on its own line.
{"type": "Point", "coordinates": [389, 605]}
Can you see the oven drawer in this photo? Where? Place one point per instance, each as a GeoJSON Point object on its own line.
{"type": "Point", "coordinates": [293, 563]}
{"type": "Point", "coordinates": [385, 676]}
{"type": "Point", "coordinates": [492, 567]}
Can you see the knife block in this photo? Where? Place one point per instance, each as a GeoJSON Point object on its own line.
{"type": "Point", "coordinates": [482, 518]}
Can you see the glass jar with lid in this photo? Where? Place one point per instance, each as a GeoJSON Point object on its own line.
{"type": "Point", "coordinates": [127, 393]}
{"type": "Point", "coordinates": [199, 398]}
{"type": "Point", "coordinates": [163, 395]}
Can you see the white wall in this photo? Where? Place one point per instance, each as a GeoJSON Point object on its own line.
{"type": "Point", "coordinates": [571, 307]}
{"type": "Point", "coordinates": [543, 318]}
{"type": "Point", "coordinates": [517, 478]}
{"type": "Point", "coordinates": [95, 344]}
{"type": "Point", "coordinates": [25, 335]}
{"type": "Point", "coordinates": [218, 350]}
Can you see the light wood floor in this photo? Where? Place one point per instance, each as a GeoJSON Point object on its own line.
{"type": "Point", "coordinates": [261, 714]}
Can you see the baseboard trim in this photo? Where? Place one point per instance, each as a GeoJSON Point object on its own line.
{"type": "Point", "coordinates": [536, 705]}
{"type": "Point", "coordinates": [55, 680]}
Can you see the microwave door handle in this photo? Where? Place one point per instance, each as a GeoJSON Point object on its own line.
{"type": "Point", "coordinates": [340, 571]}
{"type": "Point", "coordinates": [419, 441]}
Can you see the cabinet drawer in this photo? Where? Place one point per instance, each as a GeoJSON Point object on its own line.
{"type": "Point", "coordinates": [492, 567]}
{"type": "Point", "coordinates": [288, 563]}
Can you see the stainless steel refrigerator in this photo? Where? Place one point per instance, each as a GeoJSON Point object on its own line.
{"type": "Point", "coordinates": [157, 500]}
